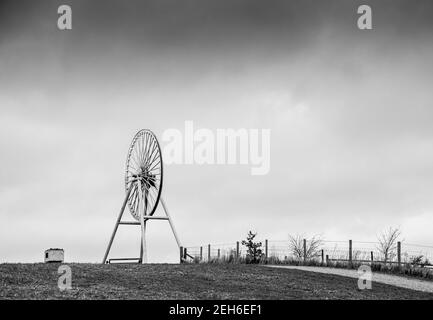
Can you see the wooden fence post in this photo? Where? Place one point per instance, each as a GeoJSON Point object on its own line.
{"type": "Point", "coordinates": [208, 252]}
{"type": "Point", "coordinates": [237, 249]}
{"type": "Point", "coordinates": [181, 254]}
{"type": "Point", "coordinates": [399, 253]}
{"type": "Point", "coordinates": [305, 250]}
{"type": "Point", "coordinates": [201, 253]}
{"type": "Point", "coordinates": [350, 252]}
{"type": "Point", "coordinates": [266, 249]}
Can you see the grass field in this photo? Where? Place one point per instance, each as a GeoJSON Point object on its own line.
{"type": "Point", "coordinates": [188, 281]}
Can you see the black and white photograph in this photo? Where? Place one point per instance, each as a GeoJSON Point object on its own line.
{"type": "Point", "coordinates": [233, 152]}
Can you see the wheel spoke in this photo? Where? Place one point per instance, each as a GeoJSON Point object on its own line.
{"type": "Point", "coordinates": [145, 150]}
{"type": "Point", "coordinates": [152, 155]}
{"type": "Point", "coordinates": [148, 146]}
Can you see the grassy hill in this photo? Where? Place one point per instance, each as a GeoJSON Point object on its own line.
{"type": "Point", "coordinates": [189, 281]}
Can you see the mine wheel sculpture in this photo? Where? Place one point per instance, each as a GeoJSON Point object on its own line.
{"type": "Point", "coordinates": [143, 184]}
{"type": "Point", "coordinates": [144, 164]}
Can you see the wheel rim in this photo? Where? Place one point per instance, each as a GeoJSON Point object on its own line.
{"type": "Point", "coordinates": [144, 165]}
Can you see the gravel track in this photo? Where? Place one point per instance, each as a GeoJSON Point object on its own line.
{"type": "Point", "coordinates": [394, 280]}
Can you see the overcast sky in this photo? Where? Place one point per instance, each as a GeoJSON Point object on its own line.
{"type": "Point", "coordinates": [350, 114]}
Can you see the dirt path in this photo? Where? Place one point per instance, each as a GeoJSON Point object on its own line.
{"type": "Point", "coordinates": [398, 281]}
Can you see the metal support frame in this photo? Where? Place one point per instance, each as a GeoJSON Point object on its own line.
{"type": "Point", "coordinates": [142, 207]}
{"type": "Point", "coordinates": [119, 218]}
{"type": "Point", "coordinates": [142, 223]}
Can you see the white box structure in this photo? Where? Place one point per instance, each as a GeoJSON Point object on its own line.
{"type": "Point", "coordinates": [54, 255]}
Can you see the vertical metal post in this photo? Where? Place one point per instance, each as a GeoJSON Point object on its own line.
{"type": "Point", "coordinates": [372, 257]}
{"type": "Point", "coordinates": [323, 256]}
{"type": "Point", "coordinates": [141, 252]}
{"type": "Point", "coordinates": [201, 253]}
{"type": "Point", "coordinates": [266, 249]}
{"type": "Point", "coordinates": [142, 208]}
{"type": "Point", "coordinates": [237, 249]}
{"type": "Point", "coordinates": [399, 253]}
{"type": "Point", "coordinates": [208, 252]}
{"type": "Point", "coordinates": [327, 259]}
{"type": "Point", "coordinates": [143, 241]}
{"type": "Point", "coordinates": [181, 254]}
{"type": "Point", "coordinates": [350, 252]}
{"type": "Point", "coordinates": [305, 250]}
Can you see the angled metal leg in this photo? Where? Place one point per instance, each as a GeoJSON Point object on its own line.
{"type": "Point", "coordinates": [169, 221]}
{"type": "Point", "coordinates": [117, 224]}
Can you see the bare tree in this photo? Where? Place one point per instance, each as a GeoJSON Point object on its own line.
{"type": "Point", "coordinates": [312, 246]}
{"type": "Point", "coordinates": [388, 243]}
{"type": "Point", "coordinates": [296, 246]}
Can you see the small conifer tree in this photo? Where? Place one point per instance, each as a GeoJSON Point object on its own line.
{"type": "Point", "coordinates": [254, 251]}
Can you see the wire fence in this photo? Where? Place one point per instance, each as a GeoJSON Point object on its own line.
{"type": "Point", "coordinates": [282, 250]}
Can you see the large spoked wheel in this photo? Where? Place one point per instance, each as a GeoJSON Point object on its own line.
{"type": "Point", "coordinates": [144, 173]}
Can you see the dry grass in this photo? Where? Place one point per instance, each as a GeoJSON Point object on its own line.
{"type": "Point", "coordinates": [186, 281]}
